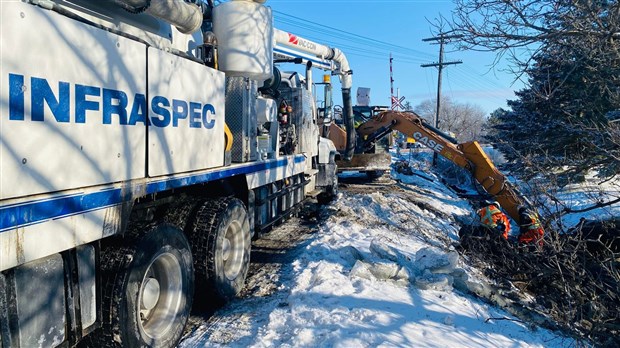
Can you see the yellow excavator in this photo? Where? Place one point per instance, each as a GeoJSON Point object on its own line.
{"type": "Point", "coordinates": [469, 155]}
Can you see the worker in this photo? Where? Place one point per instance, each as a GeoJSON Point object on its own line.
{"type": "Point", "coordinates": [284, 113]}
{"type": "Point", "coordinates": [492, 217]}
{"type": "Point", "coordinates": [530, 230]}
{"type": "Point", "coordinates": [209, 49]}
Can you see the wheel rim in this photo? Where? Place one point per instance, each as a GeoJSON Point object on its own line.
{"type": "Point", "coordinates": [233, 248]}
{"type": "Point", "coordinates": [161, 296]}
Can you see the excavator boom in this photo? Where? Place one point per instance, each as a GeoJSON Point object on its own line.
{"type": "Point", "coordinates": [469, 155]}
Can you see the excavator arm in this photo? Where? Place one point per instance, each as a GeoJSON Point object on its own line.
{"type": "Point", "coordinates": [469, 155]}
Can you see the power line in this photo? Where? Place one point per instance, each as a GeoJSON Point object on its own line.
{"type": "Point", "coordinates": [398, 51]}
{"type": "Point", "coordinates": [339, 32]}
{"type": "Point", "coordinates": [378, 54]}
{"type": "Point", "coordinates": [356, 45]}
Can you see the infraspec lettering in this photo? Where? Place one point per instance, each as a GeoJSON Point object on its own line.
{"type": "Point", "coordinates": [110, 105]}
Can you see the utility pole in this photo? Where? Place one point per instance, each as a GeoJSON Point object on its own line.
{"type": "Point", "coordinates": [395, 100]}
{"type": "Point", "coordinates": [441, 39]}
{"type": "Point", "coordinates": [391, 83]}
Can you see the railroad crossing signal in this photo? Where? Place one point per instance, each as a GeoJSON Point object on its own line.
{"type": "Point", "coordinates": [397, 103]}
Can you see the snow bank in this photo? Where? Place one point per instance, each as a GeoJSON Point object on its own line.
{"type": "Point", "coordinates": [382, 286]}
{"type": "Point", "coordinates": [379, 273]}
{"type": "Point", "coordinates": [587, 194]}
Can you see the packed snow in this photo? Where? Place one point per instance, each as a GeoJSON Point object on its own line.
{"type": "Point", "coordinates": [380, 271]}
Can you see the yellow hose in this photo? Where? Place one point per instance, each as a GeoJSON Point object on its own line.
{"type": "Point", "coordinates": [228, 137]}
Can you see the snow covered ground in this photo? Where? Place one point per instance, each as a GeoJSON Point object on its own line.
{"type": "Point", "coordinates": [379, 272]}
{"type": "Point", "coordinates": [586, 194]}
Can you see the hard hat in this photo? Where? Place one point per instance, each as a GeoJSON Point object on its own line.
{"type": "Point", "coordinates": [209, 38]}
{"type": "Point", "coordinates": [490, 202]}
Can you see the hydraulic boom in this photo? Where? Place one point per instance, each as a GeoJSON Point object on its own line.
{"type": "Point", "coordinates": [467, 155]}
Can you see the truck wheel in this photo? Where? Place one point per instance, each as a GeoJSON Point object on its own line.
{"type": "Point", "coordinates": [221, 244]}
{"type": "Point", "coordinates": [148, 288]}
{"type": "Point", "coordinates": [328, 195]}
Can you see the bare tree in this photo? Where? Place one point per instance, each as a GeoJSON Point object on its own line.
{"type": "Point", "coordinates": [575, 274]}
{"type": "Point", "coordinates": [509, 26]}
{"type": "Point", "coordinates": [407, 106]}
{"type": "Point", "coordinates": [465, 120]}
{"type": "Point", "coordinates": [570, 52]}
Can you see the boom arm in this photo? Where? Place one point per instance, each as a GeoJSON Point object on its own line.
{"type": "Point", "coordinates": [466, 155]}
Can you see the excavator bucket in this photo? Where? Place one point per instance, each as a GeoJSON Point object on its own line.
{"type": "Point", "coordinates": [366, 162]}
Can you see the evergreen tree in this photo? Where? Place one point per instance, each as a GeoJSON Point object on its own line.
{"type": "Point", "coordinates": [559, 120]}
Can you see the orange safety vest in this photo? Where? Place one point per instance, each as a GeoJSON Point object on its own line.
{"type": "Point", "coordinates": [491, 215]}
{"type": "Point", "coordinates": [531, 232]}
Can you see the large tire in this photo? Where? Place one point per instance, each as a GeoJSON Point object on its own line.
{"type": "Point", "coordinates": [148, 288]}
{"type": "Point", "coordinates": [221, 244]}
{"type": "Point", "coordinates": [329, 193]}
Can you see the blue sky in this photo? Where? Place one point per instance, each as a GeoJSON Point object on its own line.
{"type": "Point", "coordinates": [367, 31]}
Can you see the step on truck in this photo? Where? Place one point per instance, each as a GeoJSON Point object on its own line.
{"type": "Point", "coordinates": [141, 148]}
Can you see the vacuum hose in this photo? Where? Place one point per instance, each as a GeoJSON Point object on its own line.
{"type": "Point", "coordinates": [342, 69]}
{"type": "Point", "coordinates": [349, 123]}
{"type": "Point", "coordinates": [185, 16]}
{"type": "Point", "coordinates": [345, 72]}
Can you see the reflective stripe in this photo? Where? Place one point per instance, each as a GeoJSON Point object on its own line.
{"type": "Point", "coordinates": [489, 211]}
{"type": "Point", "coordinates": [34, 212]}
{"type": "Point", "coordinates": [534, 222]}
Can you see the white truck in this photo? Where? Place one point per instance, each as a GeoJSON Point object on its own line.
{"type": "Point", "coordinates": [141, 148]}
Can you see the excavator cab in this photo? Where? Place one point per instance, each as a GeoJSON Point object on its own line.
{"type": "Point", "coordinates": [371, 154]}
{"type": "Point", "coordinates": [326, 109]}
